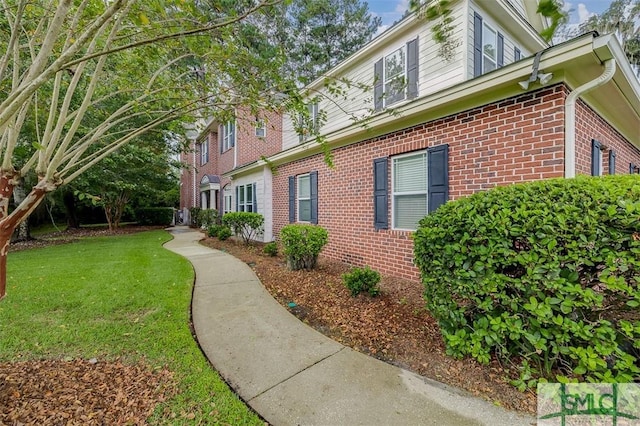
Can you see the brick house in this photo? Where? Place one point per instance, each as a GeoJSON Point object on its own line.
{"type": "Point", "coordinates": [505, 108]}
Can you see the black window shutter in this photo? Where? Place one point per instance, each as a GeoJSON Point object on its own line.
{"type": "Point", "coordinates": [517, 55]}
{"type": "Point", "coordinates": [632, 168]}
{"type": "Point", "coordinates": [596, 154]}
{"type": "Point", "coordinates": [378, 85]}
{"type": "Point", "coordinates": [500, 50]}
{"type": "Point", "coordinates": [438, 181]}
{"type": "Point", "coordinates": [380, 194]}
{"type": "Point", "coordinates": [221, 138]}
{"type": "Point", "coordinates": [237, 198]}
{"type": "Point", "coordinates": [255, 199]}
{"type": "Point", "coordinates": [292, 199]}
{"type": "Point", "coordinates": [477, 45]}
{"type": "Point", "coordinates": [412, 68]}
{"type": "Point", "coordinates": [313, 183]}
{"type": "Point", "coordinates": [612, 162]}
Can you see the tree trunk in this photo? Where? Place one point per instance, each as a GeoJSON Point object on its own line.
{"type": "Point", "coordinates": [22, 233]}
{"type": "Point", "coordinates": [69, 201]}
{"type": "Point", "coordinates": [9, 222]}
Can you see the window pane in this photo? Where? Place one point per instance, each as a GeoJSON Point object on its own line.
{"type": "Point", "coordinates": [249, 197]}
{"type": "Point", "coordinates": [394, 90]}
{"type": "Point", "coordinates": [408, 210]}
{"type": "Point", "coordinates": [241, 192]}
{"type": "Point", "coordinates": [304, 210]}
{"type": "Point", "coordinates": [304, 187]}
{"type": "Point", "coordinates": [489, 42]}
{"type": "Point", "coordinates": [410, 174]}
{"type": "Point", "coordinates": [394, 64]}
{"type": "Point", "coordinates": [488, 65]}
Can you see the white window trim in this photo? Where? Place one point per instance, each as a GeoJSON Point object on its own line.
{"type": "Point", "coordinates": [299, 198]}
{"type": "Point", "coordinates": [204, 152]}
{"type": "Point", "coordinates": [228, 200]}
{"type": "Point", "coordinates": [494, 60]}
{"type": "Point", "coordinates": [393, 186]}
{"type": "Point", "coordinates": [228, 138]}
{"type": "Point", "coordinates": [404, 76]}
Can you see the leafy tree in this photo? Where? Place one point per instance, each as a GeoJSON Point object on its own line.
{"type": "Point", "coordinates": [63, 63]}
{"type": "Point", "coordinates": [623, 18]}
{"type": "Point", "coordinates": [319, 34]}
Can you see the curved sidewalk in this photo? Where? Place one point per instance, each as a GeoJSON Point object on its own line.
{"type": "Point", "coordinates": [291, 374]}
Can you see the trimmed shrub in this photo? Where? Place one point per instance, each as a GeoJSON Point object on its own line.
{"type": "Point", "coordinates": [362, 279]}
{"type": "Point", "coordinates": [224, 233]}
{"type": "Point", "coordinates": [244, 224]}
{"type": "Point", "coordinates": [212, 231]}
{"type": "Point", "coordinates": [302, 243]}
{"type": "Point", "coordinates": [194, 214]}
{"type": "Point", "coordinates": [208, 217]}
{"type": "Point", "coordinates": [271, 249]}
{"type": "Point", "coordinates": [155, 216]}
{"type": "Point", "coordinates": [546, 274]}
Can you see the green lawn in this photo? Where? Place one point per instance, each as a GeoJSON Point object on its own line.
{"type": "Point", "coordinates": [115, 297]}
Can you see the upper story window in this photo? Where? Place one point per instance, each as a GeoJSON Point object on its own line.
{"type": "Point", "coordinates": [228, 136]}
{"type": "Point", "coordinates": [488, 47]}
{"type": "Point", "coordinates": [310, 123]}
{"type": "Point", "coordinates": [261, 129]}
{"type": "Point", "coordinates": [396, 76]}
{"type": "Point", "coordinates": [204, 152]}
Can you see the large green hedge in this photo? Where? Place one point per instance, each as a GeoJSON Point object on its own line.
{"type": "Point", "coordinates": [544, 274]}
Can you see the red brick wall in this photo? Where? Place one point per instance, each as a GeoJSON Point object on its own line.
{"type": "Point", "coordinates": [515, 140]}
{"type": "Point", "coordinates": [251, 147]}
{"type": "Point", "coordinates": [590, 125]}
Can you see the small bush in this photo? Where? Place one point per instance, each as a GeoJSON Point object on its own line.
{"type": "Point", "coordinates": [546, 273]}
{"type": "Point", "coordinates": [271, 249]}
{"type": "Point", "coordinates": [155, 216]}
{"type": "Point", "coordinates": [362, 279]}
{"type": "Point", "coordinates": [194, 214]}
{"type": "Point", "coordinates": [212, 231]}
{"type": "Point", "coordinates": [244, 224]}
{"type": "Point", "coordinates": [302, 243]}
{"type": "Point", "coordinates": [224, 233]}
{"type": "Point", "coordinates": [208, 217]}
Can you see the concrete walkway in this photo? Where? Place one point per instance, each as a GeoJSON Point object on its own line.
{"type": "Point", "coordinates": [292, 375]}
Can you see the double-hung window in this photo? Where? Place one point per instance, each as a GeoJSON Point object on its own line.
{"type": "Point", "coordinates": [489, 48]}
{"type": "Point", "coordinates": [227, 194]}
{"type": "Point", "coordinates": [304, 198]}
{"type": "Point", "coordinates": [228, 139]}
{"type": "Point", "coordinates": [310, 123]}
{"type": "Point", "coordinates": [395, 67]}
{"type": "Point", "coordinates": [246, 198]}
{"type": "Point", "coordinates": [261, 129]}
{"type": "Point", "coordinates": [410, 191]}
{"type": "Point", "coordinates": [204, 152]}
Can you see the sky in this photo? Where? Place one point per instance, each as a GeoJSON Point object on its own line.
{"type": "Point", "coordinates": [392, 10]}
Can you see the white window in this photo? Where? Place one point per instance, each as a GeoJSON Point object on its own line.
{"type": "Point", "coordinates": [309, 124]}
{"type": "Point", "coordinates": [228, 139]}
{"type": "Point", "coordinates": [261, 129]}
{"type": "Point", "coordinates": [304, 198]}
{"type": "Point", "coordinates": [227, 200]}
{"type": "Point", "coordinates": [204, 152]}
{"type": "Point", "coordinates": [489, 48]}
{"type": "Point", "coordinates": [245, 198]}
{"type": "Point", "coordinates": [395, 70]}
{"type": "Point", "coordinates": [409, 185]}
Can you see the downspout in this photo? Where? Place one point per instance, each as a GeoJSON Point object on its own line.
{"type": "Point", "coordinates": [194, 202]}
{"type": "Point", "coordinates": [570, 116]}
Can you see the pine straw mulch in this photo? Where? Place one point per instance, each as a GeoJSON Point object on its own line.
{"type": "Point", "coordinates": [394, 327]}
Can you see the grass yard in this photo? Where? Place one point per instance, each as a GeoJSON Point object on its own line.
{"type": "Point", "coordinates": [116, 299]}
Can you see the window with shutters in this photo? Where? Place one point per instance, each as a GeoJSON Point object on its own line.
{"type": "Point", "coordinates": [304, 198]}
{"type": "Point", "coordinates": [228, 139]}
{"type": "Point", "coordinates": [409, 190]}
{"type": "Point", "coordinates": [489, 48]}
{"type": "Point", "coordinates": [395, 65]}
{"type": "Point", "coordinates": [204, 152]}
{"type": "Point", "coordinates": [246, 198]}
